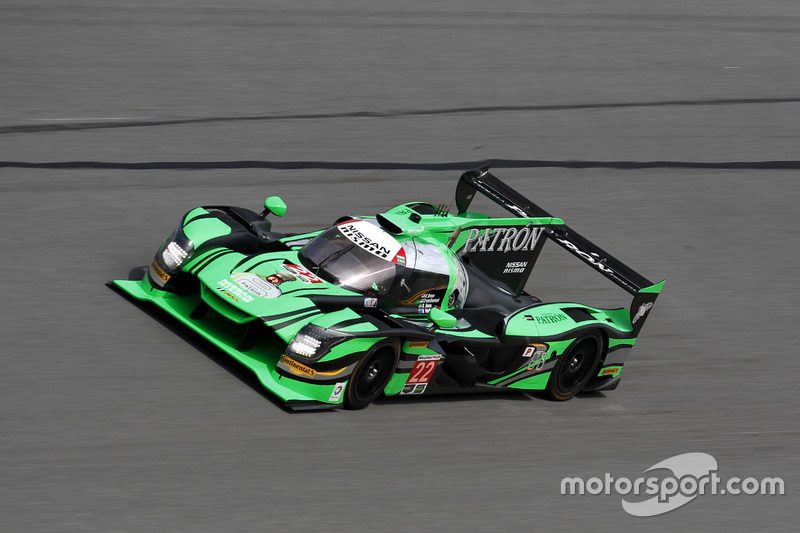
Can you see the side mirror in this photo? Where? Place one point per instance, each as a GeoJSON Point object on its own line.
{"type": "Point", "coordinates": [275, 205]}
{"type": "Point", "coordinates": [442, 319]}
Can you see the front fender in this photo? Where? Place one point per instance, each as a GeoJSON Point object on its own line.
{"type": "Point", "coordinates": [202, 226]}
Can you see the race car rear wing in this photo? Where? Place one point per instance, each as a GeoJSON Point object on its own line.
{"type": "Point", "coordinates": [644, 291]}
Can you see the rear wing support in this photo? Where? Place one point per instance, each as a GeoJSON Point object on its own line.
{"type": "Point", "coordinates": [643, 290]}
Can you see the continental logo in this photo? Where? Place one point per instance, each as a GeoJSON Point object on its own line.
{"type": "Point", "coordinates": [299, 369]}
{"type": "Point", "coordinates": [158, 271]}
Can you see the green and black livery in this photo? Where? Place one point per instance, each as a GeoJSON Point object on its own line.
{"type": "Point", "coordinates": [412, 301]}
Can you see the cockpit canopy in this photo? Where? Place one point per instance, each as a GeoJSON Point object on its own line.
{"type": "Point", "coordinates": [410, 277]}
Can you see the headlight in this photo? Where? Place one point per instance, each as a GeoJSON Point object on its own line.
{"type": "Point", "coordinates": [172, 254]}
{"type": "Point", "coordinates": [305, 345]}
{"type": "Point", "coordinates": [312, 342]}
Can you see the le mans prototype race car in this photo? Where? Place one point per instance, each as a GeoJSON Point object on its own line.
{"type": "Point", "coordinates": [413, 301]}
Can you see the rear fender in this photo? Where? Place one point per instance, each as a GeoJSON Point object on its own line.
{"type": "Point", "coordinates": [558, 321]}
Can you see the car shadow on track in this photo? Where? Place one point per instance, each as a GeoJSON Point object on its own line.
{"type": "Point", "coordinates": [455, 397]}
{"type": "Point", "coordinates": [230, 364]}
{"type": "Point", "coordinates": [519, 396]}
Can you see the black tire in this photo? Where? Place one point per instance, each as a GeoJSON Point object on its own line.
{"type": "Point", "coordinates": [575, 368]}
{"type": "Point", "coordinates": [371, 376]}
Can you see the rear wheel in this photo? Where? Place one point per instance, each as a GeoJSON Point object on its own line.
{"type": "Point", "coordinates": [370, 377]}
{"type": "Point", "coordinates": [575, 368]}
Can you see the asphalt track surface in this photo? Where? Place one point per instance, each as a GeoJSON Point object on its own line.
{"type": "Point", "coordinates": [111, 421]}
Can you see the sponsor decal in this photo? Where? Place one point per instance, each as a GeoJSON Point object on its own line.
{"type": "Point", "coordinates": [156, 269]}
{"type": "Point", "coordinates": [427, 302]}
{"type": "Point", "coordinates": [426, 299]}
{"type": "Point", "coordinates": [231, 296]}
{"type": "Point", "coordinates": [418, 344]}
{"type": "Point", "coordinates": [547, 318]}
{"type": "Point", "coordinates": [303, 273]}
{"type": "Point", "coordinates": [414, 388]}
{"type": "Point", "coordinates": [421, 374]}
{"type": "Point", "coordinates": [254, 284]}
{"type": "Point", "coordinates": [536, 352]}
{"type": "Point", "coordinates": [592, 258]}
{"type": "Point", "coordinates": [536, 363]}
{"type": "Point", "coordinates": [297, 368]}
{"type": "Point", "coordinates": [370, 302]}
{"type": "Point", "coordinates": [610, 371]}
{"type": "Point", "coordinates": [503, 240]}
{"type": "Point", "coordinates": [337, 391]}
{"type": "Point", "coordinates": [515, 267]}
{"type": "Point", "coordinates": [372, 239]}
{"type": "Point", "coordinates": [279, 277]}
{"type": "Point", "coordinates": [233, 291]}
{"type": "Point", "coordinates": [529, 351]}
{"type": "Point", "coordinates": [643, 309]}
{"type": "Point", "coordinates": [532, 350]}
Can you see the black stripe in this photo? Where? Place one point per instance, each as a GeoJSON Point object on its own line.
{"type": "Point", "coordinates": [292, 320]}
{"type": "Point", "coordinates": [202, 262]}
{"type": "Point", "coordinates": [345, 360]}
{"type": "Point", "coordinates": [240, 263]}
{"type": "Point", "coordinates": [526, 374]}
{"type": "Point", "coordinates": [270, 318]}
{"type": "Point", "coordinates": [349, 322]}
{"type": "Point", "coordinates": [206, 263]}
{"type": "Point", "coordinates": [571, 334]}
{"type": "Point", "coordinates": [263, 261]}
{"type": "Point", "coordinates": [292, 291]}
{"type": "Point", "coordinates": [575, 333]}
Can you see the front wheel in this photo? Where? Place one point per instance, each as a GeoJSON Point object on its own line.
{"type": "Point", "coordinates": [575, 368]}
{"type": "Point", "coordinates": [370, 377]}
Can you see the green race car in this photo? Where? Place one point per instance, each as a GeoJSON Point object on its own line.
{"type": "Point", "coordinates": [413, 301]}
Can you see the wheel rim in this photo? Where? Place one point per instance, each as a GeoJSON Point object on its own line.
{"type": "Point", "coordinates": [373, 377]}
{"type": "Point", "coordinates": [578, 365]}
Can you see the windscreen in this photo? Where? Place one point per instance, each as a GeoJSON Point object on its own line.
{"type": "Point", "coordinates": [356, 255]}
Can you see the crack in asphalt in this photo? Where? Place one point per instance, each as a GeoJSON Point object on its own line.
{"type": "Point", "coordinates": [377, 165]}
{"type": "Point", "coordinates": [49, 127]}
